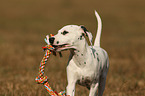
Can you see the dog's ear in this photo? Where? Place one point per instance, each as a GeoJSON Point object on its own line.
{"type": "Point", "coordinates": [84, 28]}
{"type": "Point", "coordinates": [88, 34]}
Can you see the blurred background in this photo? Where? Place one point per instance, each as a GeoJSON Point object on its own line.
{"type": "Point", "coordinates": [25, 23]}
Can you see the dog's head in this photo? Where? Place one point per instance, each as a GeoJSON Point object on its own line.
{"type": "Point", "coordinates": [69, 37]}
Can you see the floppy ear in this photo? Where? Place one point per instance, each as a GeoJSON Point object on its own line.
{"type": "Point", "coordinates": [88, 34]}
{"type": "Point", "coordinates": [84, 28]}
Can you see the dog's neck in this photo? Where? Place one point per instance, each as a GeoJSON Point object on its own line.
{"type": "Point", "coordinates": [79, 55]}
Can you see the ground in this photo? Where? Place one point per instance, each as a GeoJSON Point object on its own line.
{"type": "Point", "coordinates": [25, 23]}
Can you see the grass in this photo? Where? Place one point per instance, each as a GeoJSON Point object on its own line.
{"type": "Point", "coordinates": [24, 24]}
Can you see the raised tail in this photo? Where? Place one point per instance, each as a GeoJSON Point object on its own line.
{"type": "Point", "coordinates": [98, 35]}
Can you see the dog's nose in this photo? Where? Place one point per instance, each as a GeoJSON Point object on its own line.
{"type": "Point", "coordinates": [51, 40]}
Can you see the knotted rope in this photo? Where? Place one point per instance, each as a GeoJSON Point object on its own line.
{"type": "Point", "coordinates": [41, 79]}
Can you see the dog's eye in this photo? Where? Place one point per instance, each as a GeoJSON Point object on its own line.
{"type": "Point", "coordinates": [64, 32]}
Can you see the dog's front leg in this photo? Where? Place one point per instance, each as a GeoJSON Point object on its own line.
{"type": "Point", "coordinates": [71, 89]}
{"type": "Point", "coordinates": [71, 84]}
{"type": "Point", "coordinates": [71, 78]}
{"type": "Point", "coordinates": [93, 90]}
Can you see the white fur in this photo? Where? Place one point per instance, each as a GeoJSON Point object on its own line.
{"type": "Point", "coordinates": [87, 65]}
{"type": "Point", "coordinates": [98, 36]}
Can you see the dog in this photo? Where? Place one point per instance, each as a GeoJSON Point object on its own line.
{"type": "Point", "coordinates": [87, 65]}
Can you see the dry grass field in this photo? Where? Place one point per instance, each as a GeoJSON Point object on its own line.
{"type": "Point", "coordinates": [25, 23]}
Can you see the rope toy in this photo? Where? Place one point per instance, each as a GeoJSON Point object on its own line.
{"type": "Point", "coordinates": [41, 79]}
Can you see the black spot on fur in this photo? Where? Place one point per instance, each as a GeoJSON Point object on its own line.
{"type": "Point", "coordinates": [64, 32]}
{"type": "Point", "coordinates": [81, 37]}
{"type": "Point", "coordinates": [82, 54]}
{"type": "Point", "coordinates": [57, 42]}
{"type": "Point", "coordinates": [83, 78]}
{"type": "Point", "coordinates": [98, 59]}
{"type": "Point", "coordinates": [93, 51]}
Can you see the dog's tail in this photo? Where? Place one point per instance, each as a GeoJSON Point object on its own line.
{"type": "Point", "coordinates": [98, 35]}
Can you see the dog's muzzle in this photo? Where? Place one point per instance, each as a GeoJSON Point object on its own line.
{"type": "Point", "coordinates": [51, 40]}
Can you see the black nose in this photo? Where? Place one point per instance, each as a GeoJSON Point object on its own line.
{"type": "Point", "coordinates": [51, 40]}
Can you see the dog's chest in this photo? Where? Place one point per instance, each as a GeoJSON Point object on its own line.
{"type": "Point", "coordinates": [85, 81]}
{"type": "Point", "coordinates": [87, 75]}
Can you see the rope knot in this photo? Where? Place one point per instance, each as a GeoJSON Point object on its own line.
{"type": "Point", "coordinates": [41, 80]}
{"type": "Point", "coordinates": [44, 79]}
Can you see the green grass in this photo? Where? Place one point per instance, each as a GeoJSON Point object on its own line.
{"type": "Point", "coordinates": [25, 23]}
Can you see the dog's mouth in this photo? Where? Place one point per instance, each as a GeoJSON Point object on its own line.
{"type": "Point", "coordinates": [59, 46]}
{"type": "Point", "coordinates": [62, 47]}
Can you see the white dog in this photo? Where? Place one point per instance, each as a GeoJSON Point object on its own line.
{"type": "Point", "coordinates": [87, 65]}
